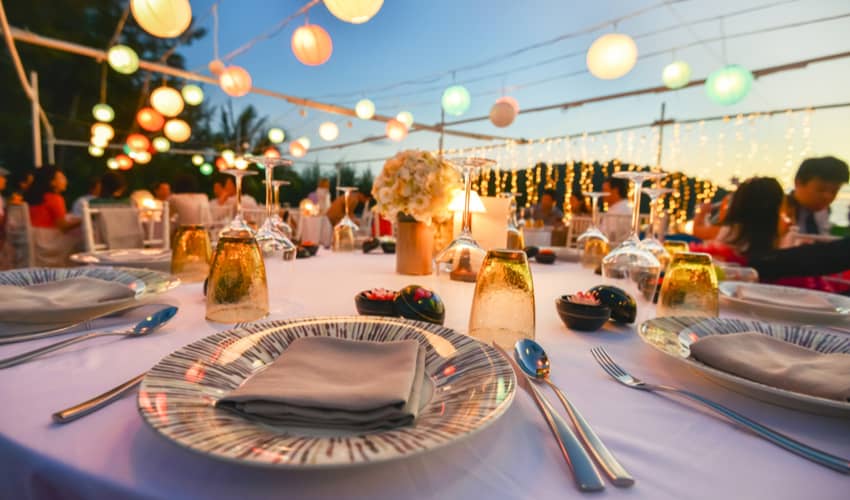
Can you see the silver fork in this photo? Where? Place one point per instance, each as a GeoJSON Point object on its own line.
{"type": "Point", "coordinates": [821, 457]}
{"type": "Point", "coordinates": [80, 410]}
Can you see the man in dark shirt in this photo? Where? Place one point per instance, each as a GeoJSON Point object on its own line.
{"type": "Point", "coordinates": [547, 210]}
{"type": "Point", "coordinates": [816, 185]}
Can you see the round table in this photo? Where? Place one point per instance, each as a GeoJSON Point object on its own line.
{"type": "Point", "coordinates": [673, 450]}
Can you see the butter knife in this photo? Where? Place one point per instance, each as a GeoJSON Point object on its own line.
{"type": "Point", "coordinates": [586, 475]}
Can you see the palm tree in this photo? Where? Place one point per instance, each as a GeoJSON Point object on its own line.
{"type": "Point", "coordinates": [245, 132]}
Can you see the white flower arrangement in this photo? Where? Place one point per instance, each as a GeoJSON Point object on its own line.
{"type": "Point", "coordinates": [416, 184]}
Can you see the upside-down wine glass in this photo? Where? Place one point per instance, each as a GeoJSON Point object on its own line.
{"type": "Point", "coordinates": [278, 221]}
{"type": "Point", "coordinates": [515, 237]}
{"type": "Point", "coordinates": [237, 224]}
{"type": "Point", "coordinates": [650, 241]}
{"type": "Point", "coordinates": [272, 241]}
{"type": "Point", "coordinates": [462, 259]}
{"type": "Point", "coordinates": [345, 230]}
{"type": "Point", "coordinates": [629, 266]}
{"type": "Point", "coordinates": [594, 244]}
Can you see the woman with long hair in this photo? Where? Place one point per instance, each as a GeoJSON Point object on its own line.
{"type": "Point", "coordinates": [54, 237]}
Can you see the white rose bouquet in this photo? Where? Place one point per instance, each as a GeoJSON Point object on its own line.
{"type": "Point", "coordinates": [415, 184]}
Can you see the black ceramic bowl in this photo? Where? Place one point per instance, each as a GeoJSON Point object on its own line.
{"type": "Point", "coordinates": [370, 244]}
{"type": "Point", "coordinates": [301, 253]}
{"type": "Point", "coordinates": [388, 246]}
{"type": "Point", "coordinates": [545, 257]}
{"type": "Point", "coordinates": [313, 249]}
{"type": "Point", "coordinates": [420, 307]}
{"type": "Point", "coordinates": [584, 317]}
{"type": "Point", "coordinates": [368, 307]}
{"type": "Point", "coordinates": [531, 252]}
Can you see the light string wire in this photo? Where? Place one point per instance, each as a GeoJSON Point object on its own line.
{"type": "Point", "coordinates": [271, 33]}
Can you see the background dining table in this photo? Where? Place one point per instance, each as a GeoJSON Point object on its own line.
{"type": "Point", "coordinates": [673, 450]}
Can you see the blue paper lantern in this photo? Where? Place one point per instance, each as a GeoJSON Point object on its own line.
{"type": "Point", "coordinates": [729, 84]}
{"type": "Point", "coordinates": [456, 100]}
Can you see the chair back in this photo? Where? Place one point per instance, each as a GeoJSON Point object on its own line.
{"type": "Point", "coordinates": [578, 224]}
{"type": "Point", "coordinates": [19, 234]}
{"type": "Point", "coordinates": [111, 226]}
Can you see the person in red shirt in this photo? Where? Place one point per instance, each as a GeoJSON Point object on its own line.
{"type": "Point", "coordinates": [54, 237]}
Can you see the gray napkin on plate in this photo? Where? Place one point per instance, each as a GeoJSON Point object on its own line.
{"type": "Point", "coordinates": [770, 361]}
{"type": "Point", "coordinates": [336, 383]}
{"type": "Point", "coordinates": [39, 303]}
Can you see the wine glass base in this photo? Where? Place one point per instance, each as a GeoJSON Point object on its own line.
{"type": "Point", "coordinates": [461, 260]}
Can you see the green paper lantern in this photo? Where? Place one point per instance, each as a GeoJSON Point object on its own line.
{"type": "Point", "coordinates": [192, 95]}
{"type": "Point", "coordinates": [123, 59]}
{"type": "Point", "coordinates": [456, 100]}
{"type": "Point", "coordinates": [729, 84]}
{"type": "Point", "coordinates": [676, 75]}
{"type": "Point", "coordinates": [206, 169]}
{"type": "Point", "coordinates": [103, 112]}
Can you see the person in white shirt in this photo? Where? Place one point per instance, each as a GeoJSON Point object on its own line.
{"type": "Point", "coordinates": [616, 222]}
{"type": "Point", "coordinates": [93, 192]}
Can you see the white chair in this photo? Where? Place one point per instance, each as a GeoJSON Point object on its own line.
{"type": "Point", "coordinates": [108, 226]}
{"type": "Point", "coordinates": [578, 225]}
{"type": "Point", "coordinates": [19, 235]}
{"type": "Point", "coordinates": [190, 208]}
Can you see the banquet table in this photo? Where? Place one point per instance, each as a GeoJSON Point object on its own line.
{"type": "Point", "coordinates": [673, 450]}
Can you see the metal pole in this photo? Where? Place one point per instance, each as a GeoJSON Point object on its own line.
{"type": "Point", "coordinates": [36, 125]}
{"type": "Point", "coordinates": [442, 130]}
{"type": "Point", "coordinates": [660, 136]}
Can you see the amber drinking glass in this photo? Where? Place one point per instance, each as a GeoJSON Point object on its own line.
{"type": "Point", "coordinates": [673, 247]}
{"type": "Point", "coordinates": [190, 259]}
{"type": "Point", "coordinates": [690, 287]}
{"type": "Point", "coordinates": [503, 304]}
{"type": "Point", "coordinates": [237, 289]}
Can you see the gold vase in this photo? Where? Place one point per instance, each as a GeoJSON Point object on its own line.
{"type": "Point", "coordinates": [414, 253]}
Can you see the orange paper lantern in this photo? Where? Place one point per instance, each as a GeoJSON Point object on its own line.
{"type": "Point", "coordinates": [124, 162]}
{"type": "Point", "coordinates": [312, 45]}
{"type": "Point", "coordinates": [234, 81]}
{"type": "Point", "coordinates": [297, 149]}
{"type": "Point", "coordinates": [138, 142]}
{"type": "Point", "coordinates": [396, 130]}
{"type": "Point", "coordinates": [149, 119]}
{"type": "Point", "coordinates": [221, 163]}
{"type": "Point", "coordinates": [271, 152]}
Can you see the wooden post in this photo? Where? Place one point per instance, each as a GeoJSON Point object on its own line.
{"type": "Point", "coordinates": [36, 125]}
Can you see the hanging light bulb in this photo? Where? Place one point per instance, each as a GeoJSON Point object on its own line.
{"type": "Point", "coordinates": [161, 144]}
{"type": "Point", "coordinates": [103, 112]}
{"type": "Point", "coordinates": [729, 84]}
{"type": "Point", "coordinates": [123, 59]}
{"type": "Point", "coordinates": [456, 100]}
{"type": "Point", "coordinates": [396, 130]}
{"type": "Point", "coordinates": [328, 131]}
{"type": "Point", "coordinates": [276, 135]}
{"type": "Point", "coordinates": [612, 56]}
{"type": "Point", "coordinates": [354, 11]}
{"type": "Point", "coordinates": [676, 75]}
{"type": "Point", "coordinates": [192, 94]}
{"type": "Point", "coordinates": [197, 160]}
{"type": "Point", "coordinates": [365, 109]}
{"type": "Point", "coordinates": [405, 117]}
{"type": "Point", "coordinates": [162, 18]}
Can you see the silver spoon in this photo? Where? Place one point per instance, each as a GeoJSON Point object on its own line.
{"type": "Point", "coordinates": [143, 327]}
{"type": "Point", "coordinates": [533, 360]}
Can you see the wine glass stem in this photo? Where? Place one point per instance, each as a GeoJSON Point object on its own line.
{"type": "Point", "coordinates": [277, 197]}
{"type": "Point", "coordinates": [347, 215]}
{"type": "Point", "coordinates": [652, 216]}
{"type": "Point", "coordinates": [594, 211]}
{"type": "Point", "coordinates": [636, 185]}
{"type": "Point", "coordinates": [238, 195]}
{"type": "Point", "coordinates": [467, 182]}
{"type": "Point", "coordinates": [269, 176]}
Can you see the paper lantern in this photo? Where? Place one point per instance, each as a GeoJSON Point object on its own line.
{"type": "Point", "coordinates": [364, 109]}
{"type": "Point", "coordinates": [240, 163]}
{"type": "Point", "coordinates": [396, 130]}
{"type": "Point", "coordinates": [197, 160]}
{"type": "Point", "coordinates": [221, 163]}
{"type": "Point", "coordinates": [162, 18]}
{"type": "Point", "coordinates": [138, 142]}
{"type": "Point", "coordinates": [161, 144]}
{"type": "Point", "coordinates": [234, 81]}
{"type": "Point", "coordinates": [502, 114]}
{"type": "Point", "coordinates": [612, 56]}
{"type": "Point", "coordinates": [276, 135]}
{"type": "Point", "coordinates": [297, 149]}
{"type": "Point", "coordinates": [216, 66]}
{"type": "Point", "coordinates": [192, 94]}
{"type": "Point", "coordinates": [99, 141]}
{"type": "Point", "coordinates": [167, 101]}
{"type": "Point", "coordinates": [271, 152]}
{"type": "Point", "coordinates": [141, 157]}
{"type": "Point", "coordinates": [177, 130]}
{"type": "Point", "coordinates": [149, 119]}
{"type": "Point", "coordinates": [103, 112]}
{"type": "Point", "coordinates": [124, 162]}
{"type": "Point", "coordinates": [510, 100]}
{"type": "Point", "coordinates": [328, 131]}
{"type": "Point", "coordinates": [228, 155]}
{"type": "Point", "coordinates": [312, 45]}
{"type": "Point", "coordinates": [676, 75]}
{"type": "Point", "coordinates": [102, 130]}
{"type": "Point", "coordinates": [456, 100]}
{"type": "Point", "coordinates": [729, 84]}
{"type": "Point", "coordinates": [405, 117]}
{"type": "Point", "coordinates": [123, 59]}
{"type": "Point", "coordinates": [206, 169]}
{"type": "Point", "coordinates": [112, 164]}
{"type": "Point", "coordinates": [354, 11]}
{"type": "Point", "coordinates": [95, 151]}
{"type": "Point", "coordinates": [304, 141]}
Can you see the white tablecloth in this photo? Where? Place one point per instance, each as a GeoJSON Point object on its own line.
{"type": "Point", "coordinates": [316, 229]}
{"type": "Point", "coordinates": [674, 451]}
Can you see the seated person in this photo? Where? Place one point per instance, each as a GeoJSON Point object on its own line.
{"type": "Point", "coordinates": [321, 197]}
{"type": "Point", "coordinates": [578, 206]}
{"type": "Point", "coordinates": [53, 232]}
{"type": "Point", "coordinates": [162, 190]}
{"type": "Point", "coordinates": [816, 185]}
{"type": "Point", "coordinates": [224, 193]}
{"type": "Point", "coordinates": [709, 217]}
{"type": "Point", "coordinates": [21, 182]}
{"type": "Point", "coordinates": [188, 205]}
{"type": "Point", "coordinates": [113, 188]}
{"type": "Point", "coordinates": [547, 213]}
{"type": "Point", "coordinates": [616, 222]}
{"type": "Point", "coordinates": [92, 193]}
{"type": "Point", "coordinates": [337, 209]}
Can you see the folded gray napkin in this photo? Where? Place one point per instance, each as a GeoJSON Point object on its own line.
{"type": "Point", "coordinates": [770, 361]}
{"type": "Point", "coordinates": [803, 299]}
{"type": "Point", "coordinates": [336, 383]}
{"type": "Point", "coordinates": [121, 228]}
{"type": "Point", "coordinates": [57, 301]}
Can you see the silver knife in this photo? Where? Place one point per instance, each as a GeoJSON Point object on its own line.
{"type": "Point", "coordinates": [584, 471]}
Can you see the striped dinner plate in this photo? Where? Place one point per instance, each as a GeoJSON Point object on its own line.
{"type": "Point", "coordinates": [473, 386]}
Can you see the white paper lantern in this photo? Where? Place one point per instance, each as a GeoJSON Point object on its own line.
{"type": "Point", "coordinates": [161, 144]}
{"type": "Point", "coordinates": [141, 157]}
{"type": "Point", "coordinates": [396, 130]}
{"type": "Point", "coordinates": [405, 117]}
{"type": "Point", "coordinates": [99, 141]}
{"type": "Point", "coordinates": [297, 149]}
{"type": "Point", "coordinates": [328, 131]}
{"type": "Point", "coordinates": [612, 56]}
{"type": "Point", "coordinates": [95, 151]}
{"type": "Point", "coordinates": [365, 109]}
{"type": "Point", "coordinates": [177, 130]}
{"type": "Point", "coordinates": [192, 94]}
{"type": "Point", "coordinates": [103, 130]}
{"type": "Point", "coordinates": [162, 18]}
{"type": "Point", "coordinates": [502, 114]}
{"type": "Point", "coordinates": [276, 135]}
{"type": "Point", "coordinates": [228, 155]}
{"type": "Point", "coordinates": [167, 101]}
{"type": "Point", "coordinates": [354, 11]}
{"type": "Point", "coordinates": [197, 160]}
{"type": "Point", "coordinates": [112, 163]}
{"type": "Point", "coordinates": [676, 75]}
{"type": "Point", "coordinates": [240, 163]}
{"type": "Point", "coordinates": [304, 142]}
{"type": "Point", "coordinates": [123, 59]}
{"type": "Point", "coordinates": [103, 112]}
{"type": "Point", "coordinates": [235, 81]}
